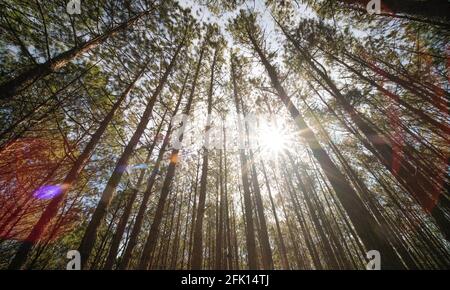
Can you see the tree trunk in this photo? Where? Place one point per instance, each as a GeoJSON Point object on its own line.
{"type": "Point", "coordinates": [249, 231]}
{"type": "Point", "coordinates": [14, 86]}
{"type": "Point", "coordinates": [153, 233]}
{"type": "Point", "coordinates": [419, 186]}
{"type": "Point", "coordinates": [124, 263]}
{"type": "Point", "coordinates": [197, 248]}
{"type": "Point", "coordinates": [265, 243]}
{"type": "Point", "coordinates": [368, 229]}
{"type": "Point", "coordinates": [284, 258]}
{"type": "Point", "coordinates": [91, 231]}
{"type": "Point", "coordinates": [117, 237]}
{"type": "Point", "coordinates": [52, 208]}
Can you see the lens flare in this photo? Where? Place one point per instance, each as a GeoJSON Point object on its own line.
{"type": "Point", "coordinates": [273, 139]}
{"type": "Point", "coordinates": [47, 191]}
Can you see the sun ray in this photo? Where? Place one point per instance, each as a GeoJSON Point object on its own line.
{"type": "Point", "coordinates": [273, 139]}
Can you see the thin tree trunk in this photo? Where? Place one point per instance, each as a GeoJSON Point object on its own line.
{"type": "Point", "coordinates": [220, 237]}
{"type": "Point", "coordinates": [71, 177]}
{"type": "Point", "coordinates": [229, 246]}
{"type": "Point", "coordinates": [91, 231]}
{"type": "Point", "coordinates": [249, 231]}
{"type": "Point", "coordinates": [153, 233]}
{"type": "Point", "coordinates": [176, 242]}
{"type": "Point", "coordinates": [124, 263]}
{"type": "Point", "coordinates": [14, 86]}
{"type": "Point", "coordinates": [444, 128]}
{"type": "Point", "coordinates": [197, 258]}
{"type": "Point", "coordinates": [425, 192]}
{"type": "Point", "coordinates": [368, 229]}
{"type": "Point", "coordinates": [330, 256]}
{"type": "Point", "coordinates": [194, 210]}
{"type": "Point", "coordinates": [284, 258]}
{"type": "Point", "coordinates": [265, 243]}
{"type": "Point", "coordinates": [188, 233]}
{"type": "Point", "coordinates": [117, 237]}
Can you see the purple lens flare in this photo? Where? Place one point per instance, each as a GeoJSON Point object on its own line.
{"type": "Point", "coordinates": [48, 191]}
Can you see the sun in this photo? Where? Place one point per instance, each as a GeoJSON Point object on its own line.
{"type": "Point", "coordinates": [272, 139]}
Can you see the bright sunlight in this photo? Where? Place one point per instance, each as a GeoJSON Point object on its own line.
{"type": "Point", "coordinates": [273, 139]}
